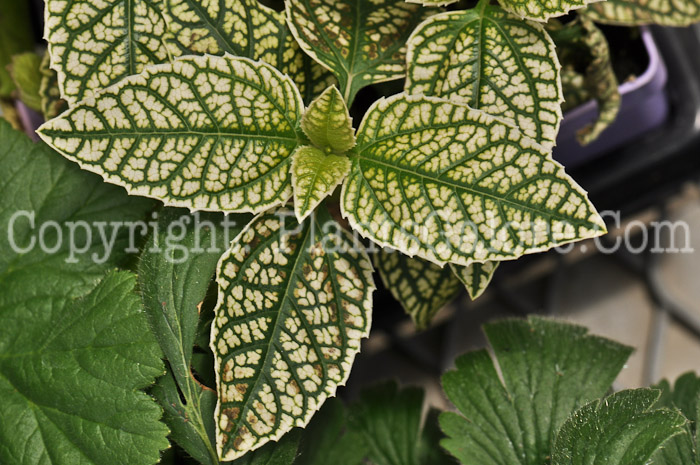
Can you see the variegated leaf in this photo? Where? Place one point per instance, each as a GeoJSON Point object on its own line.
{"type": "Point", "coordinates": [581, 41]}
{"type": "Point", "coordinates": [243, 28]}
{"type": "Point", "coordinates": [94, 44]}
{"type": "Point", "coordinates": [315, 175]}
{"type": "Point", "coordinates": [327, 122]}
{"type": "Point", "coordinates": [51, 102]}
{"type": "Point", "coordinates": [639, 12]}
{"type": "Point", "coordinates": [205, 132]}
{"type": "Point", "coordinates": [492, 61]}
{"type": "Point", "coordinates": [542, 10]}
{"type": "Point", "coordinates": [422, 288]}
{"type": "Point", "coordinates": [452, 184]}
{"type": "Point", "coordinates": [573, 85]}
{"type": "Point", "coordinates": [361, 41]}
{"type": "Point", "coordinates": [475, 277]}
{"type": "Point", "coordinates": [433, 2]}
{"type": "Point", "coordinates": [294, 303]}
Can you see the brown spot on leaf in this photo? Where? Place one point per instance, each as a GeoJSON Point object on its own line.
{"type": "Point", "coordinates": [232, 415]}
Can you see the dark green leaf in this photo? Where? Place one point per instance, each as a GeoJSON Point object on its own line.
{"type": "Point", "coordinates": [327, 439]}
{"type": "Point", "coordinates": [389, 420]}
{"type": "Point", "coordinates": [549, 369]}
{"type": "Point", "coordinates": [619, 430]}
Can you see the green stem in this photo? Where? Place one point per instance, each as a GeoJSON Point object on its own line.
{"type": "Point", "coordinates": [481, 6]}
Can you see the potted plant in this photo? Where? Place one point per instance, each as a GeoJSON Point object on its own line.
{"type": "Point", "coordinates": [216, 297]}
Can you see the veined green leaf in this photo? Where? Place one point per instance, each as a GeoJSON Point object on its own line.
{"type": "Point", "coordinates": [51, 102]}
{"type": "Point", "coordinates": [205, 132]}
{"type": "Point", "coordinates": [243, 28]}
{"type": "Point", "coordinates": [573, 85]}
{"type": "Point", "coordinates": [315, 175]}
{"type": "Point", "coordinates": [422, 288]}
{"type": "Point", "coordinates": [621, 429]}
{"type": "Point", "coordinates": [75, 347]}
{"type": "Point", "coordinates": [451, 184]}
{"type": "Point", "coordinates": [25, 74]}
{"type": "Point", "coordinates": [328, 440]}
{"type": "Point", "coordinates": [582, 41]}
{"type": "Point", "coordinates": [492, 61]}
{"type": "Point", "coordinates": [174, 276]}
{"type": "Point", "coordinates": [639, 12]}
{"type": "Point", "coordinates": [71, 396]}
{"type": "Point", "coordinates": [327, 122]}
{"type": "Point", "coordinates": [542, 10]}
{"type": "Point", "coordinates": [433, 2]}
{"type": "Point", "coordinates": [391, 422]}
{"type": "Point", "coordinates": [96, 44]}
{"type": "Point", "coordinates": [685, 396]}
{"type": "Point", "coordinates": [277, 453]}
{"type": "Point", "coordinates": [294, 303]}
{"type": "Point", "coordinates": [361, 41]}
{"type": "Point", "coordinates": [475, 277]}
{"type": "Point", "coordinates": [548, 369]}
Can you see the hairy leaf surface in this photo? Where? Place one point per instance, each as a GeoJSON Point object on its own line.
{"type": "Point", "coordinates": [205, 132]}
{"type": "Point", "coordinates": [327, 122]}
{"type": "Point", "coordinates": [451, 184]}
{"type": "Point", "coordinates": [74, 345]}
{"type": "Point", "coordinates": [96, 44]}
{"type": "Point", "coordinates": [294, 303]}
{"type": "Point", "coordinates": [547, 371]}
{"type": "Point", "coordinates": [492, 61]}
{"type": "Point", "coordinates": [243, 28]}
{"type": "Point", "coordinates": [639, 12]}
{"type": "Point", "coordinates": [315, 175]}
{"type": "Point", "coordinates": [361, 41]}
{"type": "Point", "coordinates": [475, 277]}
{"type": "Point", "coordinates": [421, 287]}
{"type": "Point", "coordinates": [621, 429]}
{"type": "Point", "coordinates": [175, 271]}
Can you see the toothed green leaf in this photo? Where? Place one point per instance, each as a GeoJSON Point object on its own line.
{"type": "Point", "coordinates": [394, 429]}
{"type": "Point", "coordinates": [327, 122]}
{"type": "Point", "coordinates": [361, 41]}
{"type": "Point", "coordinates": [294, 303]}
{"type": "Point", "coordinates": [639, 12]}
{"type": "Point", "coordinates": [422, 288]}
{"type": "Point", "coordinates": [205, 132]}
{"type": "Point", "coordinates": [549, 369]}
{"type": "Point", "coordinates": [315, 175]}
{"type": "Point", "coordinates": [621, 429]}
{"type": "Point", "coordinates": [25, 74]}
{"type": "Point", "coordinates": [75, 348]}
{"type": "Point", "coordinates": [243, 28]}
{"type": "Point", "coordinates": [96, 44]}
{"type": "Point", "coordinates": [475, 277]}
{"type": "Point", "coordinates": [451, 184]}
{"type": "Point", "coordinates": [51, 102]}
{"type": "Point", "coordinates": [685, 396]}
{"type": "Point", "coordinates": [492, 61]}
